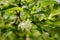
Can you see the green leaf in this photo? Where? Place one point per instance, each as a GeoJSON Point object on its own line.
{"type": "Point", "coordinates": [8, 7]}
{"type": "Point", "coordinates": [46, 3]}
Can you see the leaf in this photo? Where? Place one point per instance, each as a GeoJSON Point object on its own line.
{"type": "Point", "coordinates": [45, 3]}
{"type": "Point", "coordinates": [53, 13]}
{"type": "Point", "coordinates": [10, 1]}
{"type": "Point", "coordinates": [8, 7]}
{"type": "Point", "coordinates": [15, 8]}
{"type": "Point", "coordinates": [16, 1]}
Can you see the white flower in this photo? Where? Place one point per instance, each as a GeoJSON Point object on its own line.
{"type": "Point", "coordinates": [25, 25]}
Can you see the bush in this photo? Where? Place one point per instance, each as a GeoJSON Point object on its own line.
{"type": "Point", "coordinates": [29, 20]}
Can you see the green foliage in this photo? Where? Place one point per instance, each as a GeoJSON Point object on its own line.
{"type": "Point", "coordinates": [29, 20]}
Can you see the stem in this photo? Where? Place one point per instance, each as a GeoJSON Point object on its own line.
{"type": "Point", "coordinates": [18, 14]}
{"type": "Point", "coordinates": [18, 19]}
{"type": "Point", "coordinates": [24, 37]}
{"type": "Point", "coordinates": [19, 3]}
